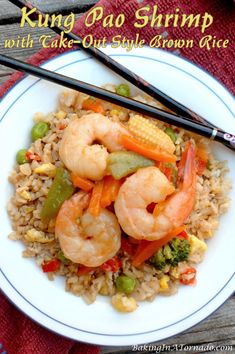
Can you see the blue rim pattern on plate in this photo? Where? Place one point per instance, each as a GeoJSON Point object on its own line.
{"type": "Point", "coordinates": [64, 324]}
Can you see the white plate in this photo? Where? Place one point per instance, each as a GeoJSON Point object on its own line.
{"type": "Point", "coordinates": [46, 302]}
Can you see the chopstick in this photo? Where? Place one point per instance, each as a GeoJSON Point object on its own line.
{"type": "Point", "coordinates": [206, 131]}
{"type": "Point", "coordinates": [121, 70]}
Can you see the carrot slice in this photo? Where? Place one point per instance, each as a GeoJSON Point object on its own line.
{"type": "Point", "coordinates": [93, 104]}
{"type": "Point", "coordinates": [110, 191]}
{"type": "Point", "coordinates": [130, 143]}
{"type": "Point", "coordinates": [94, 206]}
{"type": "Point", "coordinates": [147, 248]}
{"type": "Point", "coordinates": [82, 183]}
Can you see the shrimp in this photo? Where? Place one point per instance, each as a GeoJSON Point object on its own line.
{"type": "Point", "coordinates": [83, 238]}
{"type": "Point", "coordinates": [76, 149]}
{"type": "Point", "coordinates": [149, 185]}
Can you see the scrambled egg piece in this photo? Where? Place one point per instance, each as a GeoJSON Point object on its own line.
{"type": "Point", "coordinates": [197, 246]}
{"type": "Point", "coordinates": [163, 282]}
{"type": "Point", "coordinates": [34, 235]}
{"type": "Point", "coordinates": [123, 303]}
{"type": "Point", "coordinates": [46, 169]}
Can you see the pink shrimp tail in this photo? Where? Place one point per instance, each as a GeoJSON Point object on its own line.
{"type": "Point", "coordinates": [189, 175]}
{"type": "Point", "coordinates": [181, 204]}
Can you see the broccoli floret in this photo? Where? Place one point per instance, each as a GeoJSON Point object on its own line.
{"type": "Point", "coordinates": [158, 260]}
{"type": "Point", "coordinates": [177, 250]}
{"type": "Point", "coordinates": [167, 251]}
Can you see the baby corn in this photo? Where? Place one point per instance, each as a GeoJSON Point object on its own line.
{"type": "Point", "coordinates": [148, 133]}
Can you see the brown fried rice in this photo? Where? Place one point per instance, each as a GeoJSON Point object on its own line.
{"type": "Point", "coordinates": [31, 189]}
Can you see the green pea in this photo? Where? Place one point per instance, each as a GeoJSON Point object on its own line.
{"type": "Point", "coordinates": [125, 284]}
{"type": "Point", "coordinates": [170, 132]}
{"type": "Point", "coordinates": [123, 90]}
{"type": "Point", "coordinates": [62, 257]}
{"type": "Point", "coordinates": [39, 130]}
{"type": "Point", "coordinates": [21, 157]}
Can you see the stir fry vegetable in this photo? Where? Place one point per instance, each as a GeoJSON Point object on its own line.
{"type": "Point", "coordinates": [148, 133]}
{"type": "Point", "coordinates": [47, 169]}
{"type": "Point", "coordinates": [51, 266]}
{"type": "Point", "coordinates": [147, 248]}
{"type": "Point", "coordinates": [123, 90]}
{"type": "Point", "coordinates": [83, 270]}
{"type": "Point", "coordinates": [125, 284]}
{"type": "Point", "coordinates": [81, 183]}
{"type": "Point", "coordinates": [188, 277]}
{"type": "Point", "coordinates": [94, 206]}
{"type": "Point", "coordinates": [174, 252]}
{"type": "Point", "coordinates": [122, 163]}
{"type": "Point", "coordinates": [39, 130]}
{"type": "Point", "coordinates": [110, 191]}
{"type": "Point", "coordinates": [169, 171]}
{"type": "Point", "coordinates": [21, 157]}
{"type": "Point", "coordinates": [61, 189]}
{"type": "Point", "coordinates": [183, 235]}
{"type": "Point", "coordinates": [62, 257]}
{"type": "Point", "coordinates": [112, 265]}
{"type": "Point", "coordinates": [127, 246]}
{"type": "Point", "coordinates": [170, 132]}
{"type": "Point", "coordinates": [124, 303]}
{"type": "Point", "coordinates": [156, 153]}
{"type": "Point", "coordinates": [30, 156]}
{"type": "Point", "coordinates": [159, 260]}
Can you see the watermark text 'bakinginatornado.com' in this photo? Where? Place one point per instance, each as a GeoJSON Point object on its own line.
{"type": "Point", "coordinates": [182, 348]}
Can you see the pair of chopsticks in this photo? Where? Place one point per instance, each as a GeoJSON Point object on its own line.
{"type": "Point", "coordinates": [119, 69]}
{"type": "Point", "coordinates": [185, 118]}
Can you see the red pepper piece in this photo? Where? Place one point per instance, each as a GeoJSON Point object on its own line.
{"type": "Point", "coordinates": [150, 207]}
{"type": "Point", "coordinates": [62, 126]}
{"type": "Point", "coordinates": [30, 156]}
{"type": "Point", "coordinates": [183, 234]}
{"type": "Point", "coordinates": [51, 266]}
{"type": "Point", "coordinates": [188, 277]}
{"type": "Point", "coordinates": [146, 249]}
{"type": "Point", "coordinates": [127, 246]}
{"type": "Point", "coordinates": [83, 270]}
{"type": "Point", "coordinates": [112, 265]}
